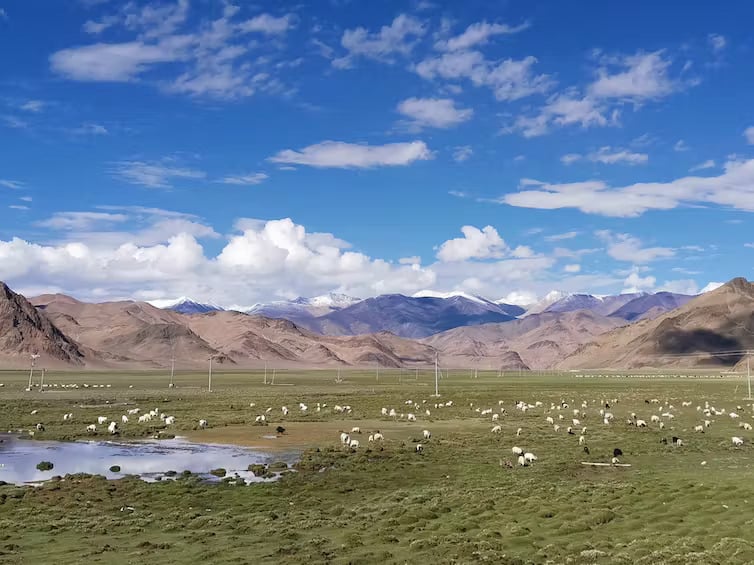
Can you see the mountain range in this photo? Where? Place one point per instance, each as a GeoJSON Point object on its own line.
{"type": "Point", "coordinates": [572, 332]}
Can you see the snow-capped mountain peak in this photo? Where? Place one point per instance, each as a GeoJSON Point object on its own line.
{"type": "Point", "coordinates": [333, 300]}
{"type": "Point", "coordinates": [453, 294]}
{"type": "Point", "coordinates": [185, 305]}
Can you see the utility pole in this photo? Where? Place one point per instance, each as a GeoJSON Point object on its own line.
{"type": "Point", "coordinates": [265, 372]}
{"type": "Point", "coordinates": [437, 390]}
{"type": "Point", "coordinates": [34, 357]}
{"type": "Point", "coordinates": [209, 377]}
{"type": "Point", "coordinates": [748, 374]}
{"type": "Point", "coordinates": [172, 372]}
{"type": "Point", "coordinates": [42, 381]}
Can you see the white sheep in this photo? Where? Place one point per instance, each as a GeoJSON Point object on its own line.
{"type": "Point", "coordinates": [427, 434]}
{"type": "Point", "coordinates": [284, 409]}
{"type": "Point", "coordinates": [419, 448]}
{"type": "Point", "coordinates": [522, 461]}
{"type": "Point", "coordinates": [530, 457]}
{"type": "Point", "coordinates": [518, 432]}
{"type": "Point", "coordinates": [556, 427]}
{"type": "Point", "coordinates": [495, 417]}
{"type": "Point", "coordinates": [655, 418]}
{"type": "Point", "coordinates": [33, 412]}
{"type": "Point", "coordinates": [411, 418]}
{"type": "Point", "coordinates": [582, 440]}
{"type": "Point", "coordinates": [112, 428]}
{"type": "Point", "coordinates": [133, 411]}
{"type": "Point", "coordinates": [384, 411]}
{"type": "Point", "coordinates": [746, 425]}
{"type": "Point", "coordinates": [91, 428]}
{"type": "Point", "coordinates": [124, 419]}
{"type": "Point", "coordinates": [67, 417]}
{"type": "Point", "coordinates": [353, 444]}
{"type": "Point", "coordinates": [344, 438]}
{"type": "Point", "coordinates": [615, 461]}
{"type": "Point", "coordinates": [261, 419]}
{"type": "Point", "coordinates": [356, 430]}
{"type": "Point", "coordinates": [170, 420]}
{"type": "Point", "coordinates": [550, 420]}
{"type": "Point", "coordinates": [517, 451]}
{"type": "Point", "coordinates": [576, 422]}
{"type": "Point", "coordinates": [202, 424]}
{"type": "Point", "coordinates": [370, 439]}
{"type": "Point", "coordinates": [737, 441]}
{"type": "Point", "coordinates": [101, 419]}
{"type": "Point", "coordinates": [699, 428]}
{"type": "Point", "coordinates": [496, 429]}
{"type": "Point", "coordinates": [641, 424]}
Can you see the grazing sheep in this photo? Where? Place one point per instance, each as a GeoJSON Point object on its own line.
{"type": "Point", "coordinates": [737, 441]}
{"type": "Point", "coordinates": [699, 428]}
{"type": "Point", "coordinates": [641, 424]}
{"type": "Point", "coordinates": [102, 419]}
{"type": "Point", "coordinates": [344, 438]}
{"type": "Point", "coordinates": [67, 417]}
{"type": "Point", "coordinates": [355, 430]}
{"type": "Point", "coordinates": [522, 461]}
{"type": "Point", "coordinates": [746, 425]}
{"type": "Point", "coordinates": [33, 412]}
{"type": "Point", "coordinates": [517, 451]}
{"type": "Point", "coordinates": [530, 457]}
{"type": "Point", "coordinates": [170, 420]}
{"type": "Point", "coordinates": [411, 418]}
{"type": "Point", "coordinates": [576, 422]}
{"type": "Point", "coordinates": [202, 424]}
{"type": "Point", "coordinates": [40, 428]}
{"type": "Point", "coordinates": [280, 430]}
{"type": "Point", "coordinates": [370, 439]}
{"type": "Point", "coordinates": [518, 432]}
{"type": "Point", "coordinates": [550, 420]}
{"type": "Point", "coordinates": [112, 428]}
{"type": "Point", "coordinates": [582, 440]}
{"type": "Point", "coordinates": [662, 425]}
{"type": "Point", "coordinates": [261, 419]}
{"type": "Point", "coordinates": [91, 428]}
{"type": "Point", "coordinates": [419, 448]}
{"type": "Point", "coordinates": [124, 419]}
{"type": "Point", "coordinates": [679, 442]}
{"type": "Point", "coordinates": [569, 430]}
{"type": "Point", "coordinates": [353, 444]}
{"type": "Point", "coordinates": [495, 417]}
{"type": "Point", "coordinates": [615, 460]}
{"type": "Point", "coordinates": [392, 413]}
{"type": "Point", "coordinates": [654, 418]}
{"type": "Point", "coordinates": [556, 427]}
{"type": "Point", "coordinates": [617, 452]}
{"type": "Point", "coordinates": [378, 436]}
{"type": "Point", "coordinates": [383, 411]}
{"type": "Point", "coordinates": [497, 429]}
{"type": "Point", "coordinates": [284, 410]}
{"type": "Point", "coordinates": [427, 434]}
{"type": "Point", "coordinates": [133, 411]}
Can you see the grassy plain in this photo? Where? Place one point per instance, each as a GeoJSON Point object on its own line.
{"type": "Point", "coordinates": [453, 503]}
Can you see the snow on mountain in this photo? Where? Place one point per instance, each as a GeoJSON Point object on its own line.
{"type": "Point", "coordinates": [550, 298]}
{"type": "Point", "coordinates": [460, 293]}
{"type": "Point", "coordinates": [185, 305]}
{"type": "Point", "coordinates": [334, 300]}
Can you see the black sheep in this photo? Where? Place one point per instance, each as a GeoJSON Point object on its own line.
{"type": "Point", "coordinates": [280, 430]}
{"type": "Point", "coordinates": [675, 439]}
{"type": "Point", "coordinates": [664, 440]}
{"type": "Point", "coordinates": [617, 452]}
{"type": "Point", "coordinates": [586, 449]}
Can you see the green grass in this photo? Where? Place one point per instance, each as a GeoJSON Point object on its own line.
{"type": "Point", "coordinates": [453, 503]}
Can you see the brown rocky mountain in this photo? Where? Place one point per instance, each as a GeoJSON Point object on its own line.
{"type": "Point", "coordinates": [538, 341]}
{"type": "Point", "coordinates": [691, 336]}
{"type": "Point", "coordinates": [24, 331]}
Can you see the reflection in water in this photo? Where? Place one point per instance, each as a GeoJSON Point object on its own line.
{"type": "Point", "coordinates": [148, 459]}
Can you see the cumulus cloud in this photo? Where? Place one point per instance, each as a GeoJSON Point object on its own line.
{"type": "Point", "coordinates": [433, 112]}
{"type": "Point", "coordinates": [636, 283]}
{"type": "Point", "coordinates": [398, 38]}
{"type": "Point", "coordinates": [509, 79]}
{"type": "Point", "coordinates": [639, 77]}
{"type": "Point", "coordinates": [572, 268]}
{"type": "Point", "coordinates": [475, 244]}
{"type": "Point", "coordinates": [462, 153]}
{"type": "Point", "coordinates": [749, 135]}
{"type": "Point", "coordinates": [477, 34]}
{"type": "Point", "coordinates": [733, 188]}
{"type": "Point", "coordinates": [337, 154]}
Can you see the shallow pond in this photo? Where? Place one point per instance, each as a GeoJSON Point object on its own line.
{"type": "Point", "coordinates": [151, 460]}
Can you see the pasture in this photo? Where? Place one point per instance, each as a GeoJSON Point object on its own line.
{"type": "Point", "coordinates": [456, 501]}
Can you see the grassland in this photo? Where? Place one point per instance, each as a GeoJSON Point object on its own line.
{"type": "Point", "coordinates": [453, 503]}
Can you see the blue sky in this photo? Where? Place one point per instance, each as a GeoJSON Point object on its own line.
{"type": "Point", "coordinates": [240, 152]}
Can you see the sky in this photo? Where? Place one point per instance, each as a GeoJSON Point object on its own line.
{"type": "Point", "coordinates": [240, 152]}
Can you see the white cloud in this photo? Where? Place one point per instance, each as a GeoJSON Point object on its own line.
{"type": "Point", "coordinates": [733, 188]}
{"type": "Point", "coordinates": [3, 14]}
{"type": "Point", "coordinates": [475, 244]}
{"type": "Point", "coordinates": [81, 221]}
{"type": "Point", "coordinates": [640, 77]}
{"type": "Point", "coordinates": [572, 268]}
{"type": "Point", "coordinates": [564, 110]}
{"type": "Point", "coordinates": [413, 260]}
{"type": "Point", "coordinates": [508, 79]}
{"type": "Point", "coordinates": [462, 153]}
{"type": "Point", "coordinates": [717, 42]}
{"type": "Point", "coordinates": [250, 179]}
{"type": "Point", "coordinates": [34, 106]}
{"type": "Point", "coordinates": [91, 129]}
{"type": "Point", "coordinates": [477, 34]}
{"type": "Point", "coordinates": [212, 60]}
{"type": "Point", "coordinates": [636, 283]}
{"type": "Point", "coordinates": [153, 174]}
{"type": "Point", "coordinates": [336, 154]}
{"type": "Point", "coordinates": [398, 38]}
{"type": "Point", "coordinates": [623, 247]}
{"type": "Point", "coordinates": [610, 156]}
{"type": "Point", "coordinates": [562, 236]}
{"type": "Point", "coordinates": [570, 158]}
{"type": "Point", "coordinates": [18, 207]}
{"type": "Point", "coordinates": [680, 146]}
{"type": "Point", "coordinates": [749, 245]}
{"type": "Point", "coordinates": [12, 184]}
{"type": "Point", "coordinates": [708, 164]}
{"type": "Point", "coordinates": [711, 286]}
{"type": "Point", "coordinates": [433, 112]}
{"type": "Point", "coordinates": [749, 135]}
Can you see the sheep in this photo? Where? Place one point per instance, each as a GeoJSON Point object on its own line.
{"type": "Point", "coordinates": [34, 412]}
{"type": "Point", "coordinates": [378, 436]}
{"type": "Point", "coordinates": [699, 428]}
{"type": "Point", "coordinates": [707, 423]}
{"type": "Point", "coordinates": [112, 428]}
{"type": "Point", "coordinates": [169, 420]}
{"type": "Point", "coordinates": [91, 428]}
{"type": "Point", "coordinates": [101, 419]}
{"type": "Point", "coordinates": [556, 428]}
{"type": "Point", "coordinates": [284, 410]}
{"type": "Point", "coordinates": [662, 425]}
{"type": "Point", "coordinates": [617, 452]}
{"type": "Point", "coordinates": [530, 457]}
{"type": "Point", "coordinates": [411, 418]}
{"type": "Point", "coordinates": [427, 434]}
{"type": "Point", "coordinates": [419, 448]}
{"type": "Point", "coordinates": [303, 407]}
{"type": "Point", "coordinates": [133, 411]}
{"type": "Point", "coordinates": [353, 444]}
{"type": "Point", "coordinates": [733, 415]}
{"type": "Point", "coordinates": [202, 424]}
{"type": "Point", "coordinates": [495, 417]}
{"type": "Point", "coordinates": [522, 461]}
{"type": "Point", "coordinates": [569, 430]}
{"type": "Point", "coordinates": [550, 420]}
{"type": "Point", "coordinates": [67, 417]}
{"type": "Point", "coordinates": [745, 425]}
{"type": "Point", "coordinates": [737, 441]}
{"type": "Point", "coordinates": [615, 461]}
{"type": "Point", "coordinates": [344, 438]}
{"type": "Point", "coordinates": [356, 430]}
{"type": "Point", "coordinates": [427, 413]}
{"type": "Point", "coordinates": [145, 418]}
{"type": "Point", "coordinates": [370, 439]}
{"type": "Point", "coordinates": [261, 419]}
{"type": "Point", "coordinates": [654, 418]}
{"type": "Point", "coordinates": [40, 427]}
{"type": "Point", "coordinates": [518, 432]}
{"type": "Point", "coordinates": [517, 451]}
{"type": "Point", "coordinates": [641, 424]}
{"type": "Point", "coordinates": [383, 411]}
{"type": "Point", "coordinates": [124, 419]}
{"type": "Point", "coordinates": [582, 440]}
{"type": "Point", "coordinates": [576, 422]}
{"type": "Point", "coordinates": [497, 429]}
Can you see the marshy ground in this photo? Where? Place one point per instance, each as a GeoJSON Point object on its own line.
{"type": "Point", "coordinates": [456, 502]}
